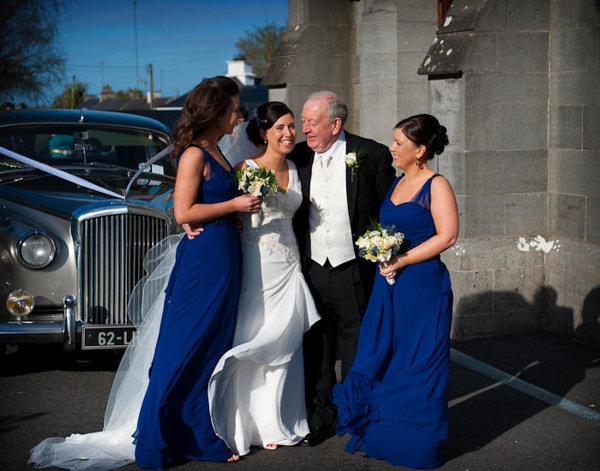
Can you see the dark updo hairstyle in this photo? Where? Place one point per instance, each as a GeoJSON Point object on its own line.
{"type": "Point", "coordinates": [264, 117]}
{"type": "Point", "coordinates": [204, 105]}
{"type": "Point", "coordinates": [425, 130]}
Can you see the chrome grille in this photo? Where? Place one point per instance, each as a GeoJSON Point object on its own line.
{"type": "Point", "coordinates": [112, 249]}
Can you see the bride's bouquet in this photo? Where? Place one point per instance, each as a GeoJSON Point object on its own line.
{"type": "Point", "coordinates": [379, 244]}
{"type": "Point", "coordinates": [257, 181]}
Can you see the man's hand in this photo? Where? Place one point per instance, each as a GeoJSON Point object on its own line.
{"type": "Point", "coordinates": [192, 230]}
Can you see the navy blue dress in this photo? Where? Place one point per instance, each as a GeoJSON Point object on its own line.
{"type": "Point", "coordinates": [197, 327]}
{"type": "Point", "coordinates": [394, 400]}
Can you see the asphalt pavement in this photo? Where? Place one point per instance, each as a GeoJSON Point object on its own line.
{"type": "Point", "coordinates": [519, 402]}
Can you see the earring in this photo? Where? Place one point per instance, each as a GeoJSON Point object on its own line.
{"type": "Point", "coordinates": [266, 142]}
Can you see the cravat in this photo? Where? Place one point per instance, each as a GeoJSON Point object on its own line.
{"type": "Point", "coordinates": [325, 161]}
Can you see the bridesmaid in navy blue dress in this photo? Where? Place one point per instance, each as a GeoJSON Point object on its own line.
{"type": "Point", "coordinates": [394, 400]}
{"type": "Point", "coordinates": [200, 309]}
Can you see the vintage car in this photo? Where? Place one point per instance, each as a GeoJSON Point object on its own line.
{"type": "Point", "coordinates": [80, 205]}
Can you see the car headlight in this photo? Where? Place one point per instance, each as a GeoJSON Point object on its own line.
{"type": "Point", "coordinates": [36, 250]}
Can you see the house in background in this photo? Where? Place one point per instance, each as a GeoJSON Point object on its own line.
{"type": "Point", "coordinates": [168, 109]}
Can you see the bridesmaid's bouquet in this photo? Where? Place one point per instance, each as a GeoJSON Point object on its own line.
{"type": "Point", "coordinates": [257, 181]}
{"type": "Point", "coordinates": [379, 244]}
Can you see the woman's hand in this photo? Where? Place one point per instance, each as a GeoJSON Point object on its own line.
{"type": "Point", "coordinates": [390, 268]}
{"type": "Point", "coordinates": [247, 203]}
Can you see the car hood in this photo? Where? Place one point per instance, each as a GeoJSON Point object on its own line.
{"type": "Point", "coordinates": [39, 190]}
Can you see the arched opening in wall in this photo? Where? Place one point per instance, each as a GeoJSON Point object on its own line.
{"type": "Point", "coordinates": [443, 6]}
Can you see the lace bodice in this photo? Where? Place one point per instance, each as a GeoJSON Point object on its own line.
{"type": "Point", "coordinates": [275, 235]}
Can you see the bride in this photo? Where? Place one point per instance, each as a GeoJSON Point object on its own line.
{"type": "Point", "coordinates": [256, 391]}
{"type": "Point", "coordinates": [275, 309]}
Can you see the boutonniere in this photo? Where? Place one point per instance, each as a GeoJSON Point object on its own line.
{"type": "Point", "coordinates": [353, 162]}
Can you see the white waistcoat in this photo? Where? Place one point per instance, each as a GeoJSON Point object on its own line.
{"type": "Point", "coordinates": [328, 219]}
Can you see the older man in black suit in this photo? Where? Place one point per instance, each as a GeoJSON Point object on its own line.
{"type": "Point", "coordinates": [339, 200]}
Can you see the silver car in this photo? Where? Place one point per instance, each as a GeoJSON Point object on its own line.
{"type": "Point", "coordinates": [80, 205]}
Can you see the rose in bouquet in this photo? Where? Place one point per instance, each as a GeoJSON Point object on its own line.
{"type": "Point", "coordinates": [257, 181]}
{"type": "Point", "coordinates": [379, 244]}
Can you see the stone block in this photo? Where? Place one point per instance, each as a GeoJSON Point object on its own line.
{"type": "Point", "coordinates": [589, 12]}
{"type": "Point", "coordinates": [525, 214]}
{"type": "Point", "coordinates": [336, 69]}
{"type": "Point", "coordinates": [593, 220]}
{"type": "Point", "coordinates": [562, 14]}
{"type": "Point", "coordinates": [522, 52]}
{"type": "Point", "coordinates": [506, 89]}
{"type": "Point", "coordinates": [375, 11]}
{"type": "Point", "coordinates": [591, 128]}
{"type": "Point", "coordinates": [573, 88]}
{"type": "Point", "coordinates": [407, 65]}
{"type": "Point", "coordinates": [574, 171]}
{"type": "Point", "coordinates": [567, 216]}
{"type": "Point", "coordinates": [414, 37]}
{"type": "Point", "coordinates": [527, 14]}
{"type": "Point", "coordinates": [518, 289]}
{"type": "Point", "coordinates": [415, 11]}
{"type": "Point", "coordinates": [481, 55]}
{"type": "Point", "coordinates": [574, 256]}
{"type": "Point", "coordinates": [572, 306]}
{"type": "Point", "coordinates": [523, 128]}
{"type": "Point", "coordinates": [566, 124]}
{"type": "Point", "coordinates": [372, 67]}
{"type": "Point", "coordinates": [452, 166]}
{"type": "Point", "coordinates": [495, 254]}
{"type": "Point", "coordinates": [318, 12]}
{"type": "Point", "coordinates": [473, 292]}
{"type": "Point", "coordinates": [481, 129]}
{"type": "Point", "coordinates": [493, 17]}
{"type": "Point", "coordinates": [374, 38]}
{"type": "Point", "coordinates": [484, 216]}
{"type": "Point", "coordinates": [572, 49]}
{"type": "Point", "coordinates": [497, 172]}
{"type": "Point", "coordinates": [412, 98]}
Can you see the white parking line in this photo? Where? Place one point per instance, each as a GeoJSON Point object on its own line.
{"type": "Point", "coordinates": [523, 386]}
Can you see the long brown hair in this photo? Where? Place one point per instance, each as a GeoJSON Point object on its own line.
{"type": "Point", "coordinates": [208, 101]}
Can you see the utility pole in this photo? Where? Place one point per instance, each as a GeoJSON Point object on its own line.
{"type": "Point", "coordinates": [73, 94]}
{"type": "Point", "coordinates": [137, 72]}
{"type": "Point", "coordinates": [151, 86]}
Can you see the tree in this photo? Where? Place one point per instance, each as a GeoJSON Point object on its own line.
{"type": "Point", "coordinates": [30, 60]}
{"type": "Point", "coordinates": [64, 99]}
{"type": "Point", "coordinates": [259, 46]}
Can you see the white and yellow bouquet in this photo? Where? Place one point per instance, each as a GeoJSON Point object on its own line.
{"type": "Point", "coordinates": [257, 181]}
{"type": "Point", "coordinates": [379, 244]}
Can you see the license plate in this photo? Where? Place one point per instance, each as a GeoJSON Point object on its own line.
{"type": "Point", "coordinates": [103, 336]}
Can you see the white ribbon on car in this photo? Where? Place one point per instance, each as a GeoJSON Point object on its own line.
{"type": "Point", "coordinates": [78, 180]}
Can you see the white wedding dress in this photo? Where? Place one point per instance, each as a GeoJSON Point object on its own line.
{"type": "Point", "coordinates": [256, 392]}
{"type": "Point", "coordinates": [113, 446]}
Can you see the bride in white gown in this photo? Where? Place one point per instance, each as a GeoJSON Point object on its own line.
{"type": "Point", "coordinates": [256, 392]}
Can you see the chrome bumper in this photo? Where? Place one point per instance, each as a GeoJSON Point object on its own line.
{"type": "Point", "coordinates": [24, 331]}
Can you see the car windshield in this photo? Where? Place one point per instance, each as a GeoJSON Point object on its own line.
{"type": "Point", "coordinates": [75, 145]}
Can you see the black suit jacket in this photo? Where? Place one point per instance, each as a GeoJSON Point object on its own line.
{"type": "Point", "coordinates": [365, 193]}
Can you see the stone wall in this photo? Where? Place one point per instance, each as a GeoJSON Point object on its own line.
{"type": "Point", "coordinates": [574, 168]}
{"type": "Point", "coordinates": [517, 84]}
{"type": "Point", "coordinates": [524, 164]}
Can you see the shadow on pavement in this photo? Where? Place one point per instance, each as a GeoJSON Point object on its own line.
{"type": "Point", "coordinates": [482, 409]}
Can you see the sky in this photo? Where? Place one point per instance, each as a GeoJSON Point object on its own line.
{"type": "Point", "coordinates": [184, 40]}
